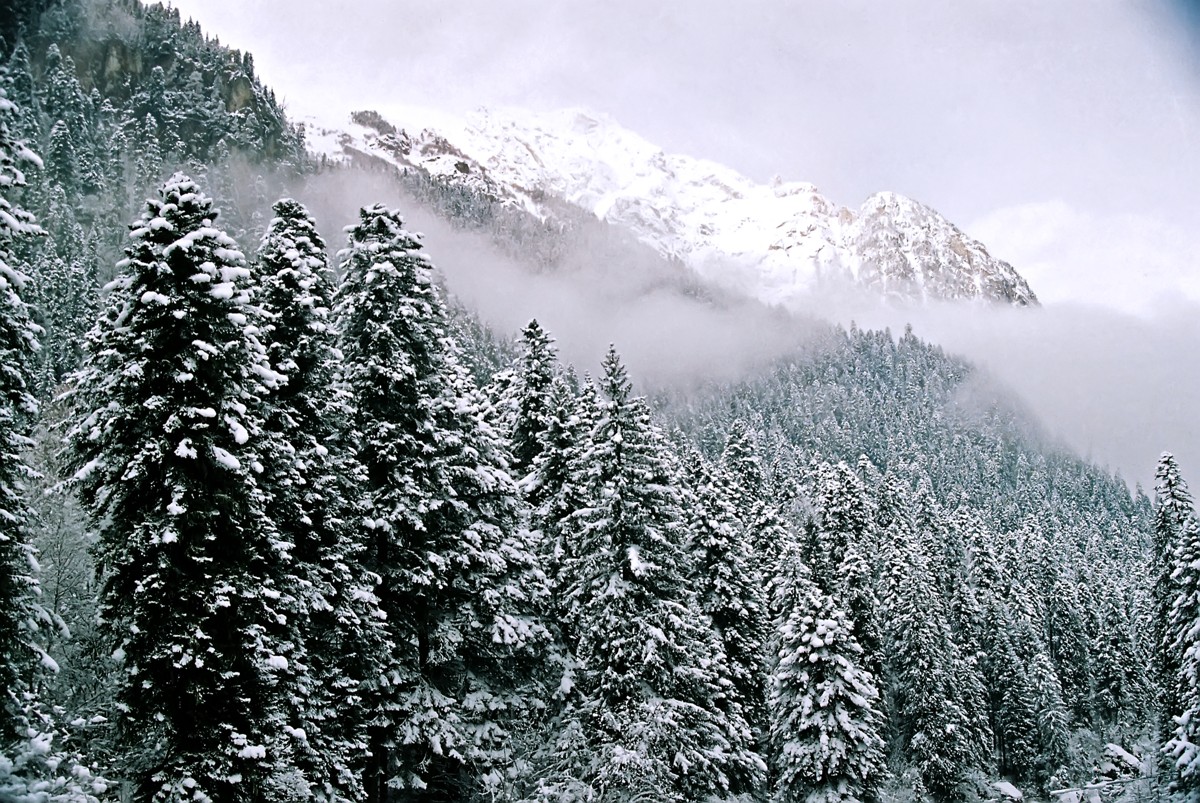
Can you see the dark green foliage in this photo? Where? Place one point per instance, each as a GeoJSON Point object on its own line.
{"type": "Point", "coordinates": [313, 483]}
{"type": "Point", "coordinates": [648, 696]}
{"type": "Point", "coordinates": [826, 742]}
{"type": "Point", "coordinates": [458, 584]}
{"type": "Point", "coordinates": [167, 443]}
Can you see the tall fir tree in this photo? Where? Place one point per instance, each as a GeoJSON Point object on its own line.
{"type": "Point", "coordinates": [731, 590]}
{"type": "Point", "coordinates": [539, 364]}
{"type": "Point", "coordinates": [826, 742]}
{"type": "Point", "coordinates": [840, 521]}
{"type": "Point", "coordinates": [166, 450]}
{"type": "Point", "coordinates": [312, 479]}
{"type": "Point", "coordinates": [459, 584]}
{"type": "Point", "coordinates": [19, 341]}
{"type": "Point", "coordinates": [932, 685]}
{"type": "Point", "coordinates": [1053, 721]}
{"type": "Point", "coordinates": [742, 465]}
{"type": "Point", "coordinates": [553, 490]}
{"type": "Point", "coordinates": [838, 537]}
{"type": "Point", "coordinates": [650, 699]}
{"type": "Point", "coordinates": [1174, 522]}
{"type": "Point", "coordinates": [1177, 534]}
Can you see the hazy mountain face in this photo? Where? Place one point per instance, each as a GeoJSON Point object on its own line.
{"type": "Point", "coordinates": [776, 243]}
{"type": "Point", "coordinates": [1106, 383]}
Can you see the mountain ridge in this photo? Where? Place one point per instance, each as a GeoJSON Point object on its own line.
{"type": "Point", "coordinates": [777, 242]}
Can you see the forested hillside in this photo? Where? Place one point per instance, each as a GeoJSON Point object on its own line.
{"type": "Point", "coordinates": [281, 521]}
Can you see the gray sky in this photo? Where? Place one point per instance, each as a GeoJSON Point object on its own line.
{"type": "Point", "coordinates": [1020, 120]}
{"type": "Point", "coordinates": [1062, 133]}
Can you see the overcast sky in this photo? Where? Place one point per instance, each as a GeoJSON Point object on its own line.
{"type": "Point", "coordinates": [1062, 133]}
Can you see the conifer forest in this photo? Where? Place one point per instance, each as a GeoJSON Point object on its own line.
{"type": "Point", "coordinates": [282, 520]}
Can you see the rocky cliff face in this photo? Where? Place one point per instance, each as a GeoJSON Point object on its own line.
{"type": "Point", "coordinates": [904, 248]}
{"type": "Point", "coordinates": [777, 242]}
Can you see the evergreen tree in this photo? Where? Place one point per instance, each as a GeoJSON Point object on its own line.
{"type": "Point", "coordinates": [538, 366]}
{"type": "Point", "coordinates": [772, 534]}
{"type": "Point", "coordinates": [930, 680]}
{"type": "Point", "coordinates": [1067, 643]}
{"type": "Point", "coordinates": [1176, 532]}
{"type": "Point", "coordinates": [313, 480]}
{"type": "Point", "coordinates": [554, 491]}
{"type": "Point", "coordinates": [729, 586]}
{"type": "Point", "coordinates": [1174, 525]}
{"type": "Point", "coordinates": [459, 583]}
{"type": "Point", "coordinates": [840, 521]}
{"type": "Point", "coordinates": [838, 537]}
{"type": "Point", "coordinates": [1118, 670]}
{"type": "Point", "coordinates": [648, 698]}
{"type": "Point", "coordinates": [742, 465]}
{"type": "Point", "coordinates": [167, 454]}
{"type": "Point", "coordinates": [1003, 638]}
{"type": "Point", "coordinates": [825, 720]}
{"type": "Point", "coordinates": [19, 86]}
{"type": "Point", "coordinates": [1053, 720]}
{"type": "Point", "coordinates": [18, 339]}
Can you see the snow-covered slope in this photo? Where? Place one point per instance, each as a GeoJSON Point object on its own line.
{"type": "Point", "coordinates": [776, 242]}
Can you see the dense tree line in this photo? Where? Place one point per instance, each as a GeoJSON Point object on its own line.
{"type": "Point", "coordinates": [315, 535]}
{"type": "Point", "coordinates": [115, 96]}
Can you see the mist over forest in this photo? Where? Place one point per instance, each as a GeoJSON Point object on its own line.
{"type": "Point", "coordinates": [1113, 386]}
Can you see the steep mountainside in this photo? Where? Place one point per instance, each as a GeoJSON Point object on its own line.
{"type": "Point", "coordinates": [775, 242]}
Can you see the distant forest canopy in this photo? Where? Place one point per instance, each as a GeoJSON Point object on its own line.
{"type": "Point", "coordinates": [282, 522]}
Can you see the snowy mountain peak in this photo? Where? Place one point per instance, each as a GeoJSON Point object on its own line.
{"type": "Point", "coordinates": [777, 242]}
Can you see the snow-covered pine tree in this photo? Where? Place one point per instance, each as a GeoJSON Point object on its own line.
{"type": "Point", "coordinates": [552, 488]}
{"type": "Point", "coordinates": [648, 697]}
{"type": "Point", "coordinates": [933, 691]}
{"type": "Point", "coordinates": [17, 76]}
{"type": "Point", "coordinates": [730, 588]}
{"type": "Point", "coordinates": [1006, 640]}
{"type": "Point", "coordinates": [838, 537]}
{"type": "Point", "coordinates": [1053, 720]}
{"type": "Point", "coordinates": [1174, 523]}
{"type": "Point", "coordinates": [840, 520]}
{"type": "Point", "coordinates": [1068, 646]}
{"type": "Point", "coordinates": [1119, 677]}
{"type": "Point", "coordinates": [742, 467]}
{"type": "Point", "coordinates": [459, 583]}
{"type": "Point", "coordinates": [313, 480]}
{"type": "Point", "coordinates": [166, 453]}
{"type": "Point", "coordinates": [1177, 533]}
{"type": "Point", "coordinates": [539, 365]}
{"type": "Point", "coordinates": [826, 745]}
{"type": "Point", "coordinates": [772, 534]}
{"type": "Point", "coordinates": [32, 768]}
{"type": "Point", "coordinates": [19, 342]}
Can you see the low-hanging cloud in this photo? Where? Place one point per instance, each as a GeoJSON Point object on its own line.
{"type": "Point", "coordinates": [1127, 260]}
{"type": "Point", "coordinates": [1117, 388]}
{"type": "Point", "coordinates": [601, 292]}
